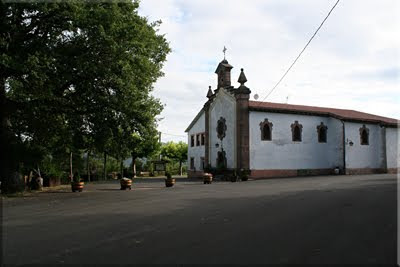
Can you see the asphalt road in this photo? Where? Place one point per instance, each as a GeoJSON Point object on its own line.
{"type": "Point", "coordinates": [336, 219]}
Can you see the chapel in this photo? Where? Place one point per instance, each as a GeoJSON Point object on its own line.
{"type": "Point", "coordinates": [281, 140]}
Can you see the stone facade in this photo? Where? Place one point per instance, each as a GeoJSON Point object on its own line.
{"type": "Point", "coordinates": [223, 106]}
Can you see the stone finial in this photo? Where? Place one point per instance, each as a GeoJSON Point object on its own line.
{"type": "Point", "coordinates": [209, 93]}
{"type": "Point", "coordinates": [242, 78]}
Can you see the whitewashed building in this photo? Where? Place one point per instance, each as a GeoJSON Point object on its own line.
{"type": "Point", "coordinates": [278, 140]}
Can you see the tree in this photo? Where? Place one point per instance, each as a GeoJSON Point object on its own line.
{"type": "Point", "coordinates": [176, 151]}
{"type": "Point", "coordinates": [75, 74]}
{"type": "Point", "coordinates": [143, 145]}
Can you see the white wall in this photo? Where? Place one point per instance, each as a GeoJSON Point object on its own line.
{"type": "Point", "coordinates": [363, 156]}
{"type": "Point", "coordinates": [392, 147]}
{"type": "Point", "coordinates": [283, 153]}
{"type": "Point", "coordinates": [224, 105]}
{"type": "Point", "coordinates": [197, 151]}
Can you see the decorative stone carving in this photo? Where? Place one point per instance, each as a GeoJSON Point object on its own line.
{"type": "Point", "coordinates": [221, 128]}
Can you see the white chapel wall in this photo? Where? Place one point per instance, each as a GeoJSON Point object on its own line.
{"type": "Point", "coordinates": [392, 147]}
{"type": "Point", "coordinates": [282, 153]}
{"type": "Point", "coordinates": [196, 151]}
{"type": "Point", "coordinates": [224, 105]}
{"type": "Point", "coordinates": [363, 156]}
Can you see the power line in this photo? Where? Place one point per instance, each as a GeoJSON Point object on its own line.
{"type": "Point", "coordinates": [177, 135]}
{"type": "Point", "coordinates": [309, 41]}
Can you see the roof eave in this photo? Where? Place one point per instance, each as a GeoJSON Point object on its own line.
{"type": "Point", "coordinates": [323, 114]}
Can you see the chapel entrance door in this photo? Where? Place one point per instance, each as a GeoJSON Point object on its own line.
{"type": "Point", "coordinates": [221, 160]}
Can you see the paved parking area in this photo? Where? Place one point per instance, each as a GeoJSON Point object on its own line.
{"type": "Point", "coordinates": [325, 219]}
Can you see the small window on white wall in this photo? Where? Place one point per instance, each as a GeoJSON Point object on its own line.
{"type": "Point", "coordinates": [364, 135]}
{"type": "Point", "coordinates": [322, 133]}
{"type": "Point", "coordinates": [296, 131]}
{"type": "Point", "coordinates": [192, 140]}
{"type": "Point", "coordinates": [266, 130]}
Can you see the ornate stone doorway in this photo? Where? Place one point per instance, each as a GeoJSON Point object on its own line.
{"type": "Point", "coordinates": [221, 132]}
{"type": "Point", "coordinates": [221, 160]}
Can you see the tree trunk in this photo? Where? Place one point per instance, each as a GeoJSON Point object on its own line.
{"type": "Point", "coordinates": [122, 168]}
{"type": "Point", "coordinates": [133, 166]}
{"type": "Point", "coordinates": [70, 167]}
{"type": "Point", "coordinates": [88, 165]}
{"type": "Point", "coordinates": [180, 168]}
{"type": "Point", "coordinates": [8, 163]}
{"type": "Point", "coordinates": [4, 166]}
{"type": "Point", "coordinates": [104, 166]}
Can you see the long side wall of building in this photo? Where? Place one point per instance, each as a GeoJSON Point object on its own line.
{"type": "Point", "coordinates": [283, 157]}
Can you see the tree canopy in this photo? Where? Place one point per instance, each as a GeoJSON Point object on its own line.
{"type": "Point", "coordinates": [175, 151]}
{"type": "Point", "coordinates": [76, 75]}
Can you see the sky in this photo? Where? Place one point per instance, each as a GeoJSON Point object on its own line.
{"type": "Point", "coordinates": [352, 63]}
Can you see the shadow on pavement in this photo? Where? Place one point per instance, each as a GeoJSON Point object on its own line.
{"type": "Point", "coordinates": [109, 189]}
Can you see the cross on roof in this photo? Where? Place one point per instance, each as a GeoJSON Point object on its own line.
{"type": "Point", "coordinates": [224, 50]}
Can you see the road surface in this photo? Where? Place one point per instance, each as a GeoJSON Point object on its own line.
{"type": "Point", "coordinates": [326, 219]}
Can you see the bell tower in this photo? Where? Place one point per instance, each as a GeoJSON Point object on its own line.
{"type": "Point", "coordinates": [224, 73]}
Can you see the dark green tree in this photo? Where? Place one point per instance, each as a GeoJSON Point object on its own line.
{"type": "Point", "coordinates": [144, 144]}
{"type": "Point", "coordinates": [75, 74]}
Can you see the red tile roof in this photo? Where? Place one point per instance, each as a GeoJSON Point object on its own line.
{"type": "Point", "coordinates": [344, 114]}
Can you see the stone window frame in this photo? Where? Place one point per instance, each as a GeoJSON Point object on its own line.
{"type": "Point", "coordinates": [324, 128]}
{"type": "Point", "coordinates": [221, 122]}
{"type": "Point", "coordinates": [263, 124]}
{"type": "Point", "coordinates": [299, 126]}
{"type": "Point", "coordinates": [203, 139]}
{"type": "Point", "coordinates": [192, 142]}
{"type": "Point", "coordinates": [198, 141]}
{"type": "Point", "coordinates": [364, 134]}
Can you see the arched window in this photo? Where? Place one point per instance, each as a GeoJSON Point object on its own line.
{"type": "Point", "coordinates": [322, 132]}
{"type": "Point", "coordinates": [296, 131]}
{"type": "Point", "coordinates": [266, 130]}
{"type": "Point", "coordinates": [296, 134]}
{"type": "Point", "coordinates": [364, 135]}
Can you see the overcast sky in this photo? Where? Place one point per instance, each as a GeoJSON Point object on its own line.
{"type": "Point", "coordinates": [353, 62]}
